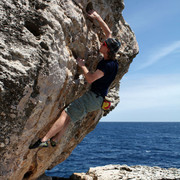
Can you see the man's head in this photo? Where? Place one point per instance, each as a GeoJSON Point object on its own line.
{"type": "Point", "coordinates": [113, 44]}
{"type": "Point", "coordinates": [110, 47]}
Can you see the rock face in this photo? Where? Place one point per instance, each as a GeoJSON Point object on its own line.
{"type": "Point", "coordinates": [115, 172]}
{"type": "Point", "coordinates": [39, 42]}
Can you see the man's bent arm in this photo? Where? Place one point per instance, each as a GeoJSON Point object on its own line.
{"type": "Point", "coordinates": [90, 77]}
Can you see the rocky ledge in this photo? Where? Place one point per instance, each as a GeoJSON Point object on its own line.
{"type": "Point", "coordinates": [124, 172]}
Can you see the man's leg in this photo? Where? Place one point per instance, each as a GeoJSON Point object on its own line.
{"type": "Point", "coordinates": [58, 127]}
{"type": "Point", "coordinates": [56, 130]}
{"type": "Point", "coordinates": [58, 136]}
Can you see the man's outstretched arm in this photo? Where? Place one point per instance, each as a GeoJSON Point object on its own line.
{"type": "Point", "coordinates": [94, 15]}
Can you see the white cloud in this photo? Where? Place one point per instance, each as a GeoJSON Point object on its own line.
{"type": "Point", "coordinates": [151, 91]}
{"type": "Point", "coordinates": [148, 98]}
{"type": "Point", "coordinates": [161, 53]}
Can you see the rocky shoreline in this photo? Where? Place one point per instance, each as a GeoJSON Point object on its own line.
{"type": "Point", "coordinates": [124, 172]}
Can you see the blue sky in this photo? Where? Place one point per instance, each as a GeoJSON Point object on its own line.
{"type": "Point", "coordinates": [150, 91]}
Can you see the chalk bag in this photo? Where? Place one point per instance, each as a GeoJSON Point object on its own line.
{"type": "Point", "coordinates": [106, 104]}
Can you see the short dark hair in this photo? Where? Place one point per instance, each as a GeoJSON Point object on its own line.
{"type": "Point", "coordinates": [111, 55]}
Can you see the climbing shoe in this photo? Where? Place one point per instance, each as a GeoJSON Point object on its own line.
{"type": "Point", "coordinates": [53, 143]}
{"type": "Point", "coordinates": [38, 143]}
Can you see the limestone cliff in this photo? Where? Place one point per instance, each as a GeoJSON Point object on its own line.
{"type": "Point", "coordinates": [39, 42]}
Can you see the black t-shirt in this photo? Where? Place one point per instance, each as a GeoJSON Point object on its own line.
{"type": "Point", "coordinates": [110, 68]}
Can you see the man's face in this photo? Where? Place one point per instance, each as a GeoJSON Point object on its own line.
{"type": "Point", "coordinates": [104, 48]}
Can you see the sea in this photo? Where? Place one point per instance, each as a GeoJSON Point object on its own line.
{"type": "Point", "coordinates": [124, 143]}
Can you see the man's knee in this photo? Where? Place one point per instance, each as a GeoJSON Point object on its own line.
{"type": "Point", "coordinates": [65, 115]}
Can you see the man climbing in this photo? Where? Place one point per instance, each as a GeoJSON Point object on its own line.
{"type": "Point", "coordinates": [92, 100]}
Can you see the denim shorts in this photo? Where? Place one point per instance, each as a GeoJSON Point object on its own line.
{"type": "Point", "coordinates": [86, 103]}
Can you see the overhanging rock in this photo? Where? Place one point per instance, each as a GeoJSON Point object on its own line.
{"type": "Point", "coordinates": [39, 41]}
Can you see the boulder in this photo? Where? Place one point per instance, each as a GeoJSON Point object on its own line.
{"type": "Point", "coordinates": [39, 43]}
